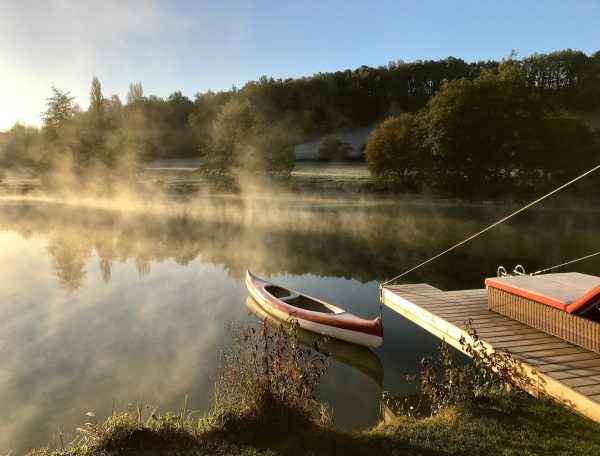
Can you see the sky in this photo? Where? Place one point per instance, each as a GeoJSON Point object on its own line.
{"type": "Point", "coordinates": [194, 46]}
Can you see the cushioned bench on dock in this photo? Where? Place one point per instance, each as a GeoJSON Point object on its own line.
{"type": "Point", "coordinates": [570, 291]}
{"type": "Point", "coordinates": [553, 303]}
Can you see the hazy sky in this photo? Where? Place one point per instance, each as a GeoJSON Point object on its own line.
{"type": "Point", "coordinates": [198, 45]}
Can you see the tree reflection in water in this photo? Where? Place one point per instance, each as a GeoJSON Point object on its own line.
{"type": "Point", "coordinates": [69, 258]}
{"type": "Point", "coordinates": [365, 242]}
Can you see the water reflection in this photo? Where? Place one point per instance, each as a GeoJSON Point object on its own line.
{"type": "Point", "coordinates": [102, 305]}
{"type": "Point", "coordinates": [366, 242]}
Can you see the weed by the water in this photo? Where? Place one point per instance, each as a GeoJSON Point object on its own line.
{"type": "Point", "coordinates": [269, 366]}
{"type": "Point", "coordinates": [445, 380]}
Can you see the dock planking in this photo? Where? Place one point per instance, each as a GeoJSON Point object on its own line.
{"type": "Point", "coordinates": [568, 373]}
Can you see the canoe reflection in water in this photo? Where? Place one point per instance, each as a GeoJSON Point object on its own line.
{"type": "Point", "coordinates": [361, 358]}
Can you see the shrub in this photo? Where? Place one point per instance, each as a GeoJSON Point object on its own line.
{"type": "Point", "coordinates": [393, 151]}
{"type": "Point", "coordinates": [268, 368]}
{"type": "Point", "coordinates": [444, 381]}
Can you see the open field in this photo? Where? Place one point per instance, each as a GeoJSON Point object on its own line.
{"type": "Point", "coordinates": [181, 174]}
{"type": "Point", "coordinates": [324, 172]}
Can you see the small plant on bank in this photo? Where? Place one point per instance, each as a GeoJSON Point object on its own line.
{"type": "Point", "coordinates": [267, 369]}
{"type": "Point", "coordinates": [492, 371]}
{"type": "Point", "coordinates": [445, 380]}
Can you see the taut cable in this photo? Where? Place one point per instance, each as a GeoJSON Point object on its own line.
{"type": "Point", "coordinates": [502, 220]}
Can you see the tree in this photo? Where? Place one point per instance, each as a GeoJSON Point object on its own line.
{"type": "Point", "coordinates": [93, 129]}
{"type": "Point", "coordinates": [495, 133]}
{"type": "Point", "coordinates": [478, 131]}
{"type": "Point", "coordinates": [245, 141]}
{"type": "Point", "coordinates": [135, 93]}
{"type": "Point", "coordinates": [588, 85]}
{"type": "Point", "coordinates": [333, 149]}
{"type": "Point", "coordinates": [393, 150]}
{"type": "Point", "coordinates": [60, 108]}
{"type": "Point", "coordinates": [201, 121]}
{"type": "Point", "coordinates": [96, 98]}
{"type": "Point", "coordinates": [180, 108]}
{"type": "Point", "coordinates": [113, 111]}
{"type": "Point", "coordinates": [21, 146]}
{"type": "Point", "coordinates": [569, 147]}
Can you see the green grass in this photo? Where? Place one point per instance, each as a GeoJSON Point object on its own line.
{"type": "Point", "coordinates": [503, 426]}
{"type": "Point", "coordinates": [514, 425]}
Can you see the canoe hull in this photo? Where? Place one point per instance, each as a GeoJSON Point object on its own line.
{"type": "Point", "coordinates": [256, 290]}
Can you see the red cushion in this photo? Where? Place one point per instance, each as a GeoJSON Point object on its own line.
{"type": "Point", "coordinates": [570, 291]}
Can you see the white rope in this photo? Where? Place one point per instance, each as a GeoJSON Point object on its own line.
{"type": "Point", "coordinates": [541, 271]}
{"type": "Point", "coordinates": [502, 220]}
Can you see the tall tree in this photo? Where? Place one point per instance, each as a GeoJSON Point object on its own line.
{"type": "Point", "coordinates": [96, 98]}
{"type": "Point", "coordinates": [136, 93]}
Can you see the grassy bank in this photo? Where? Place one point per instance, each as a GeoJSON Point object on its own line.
{"type": "Point", "coordinates": [500, 425]}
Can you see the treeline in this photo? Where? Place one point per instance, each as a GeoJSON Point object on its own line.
{"type": "Point", "coordinates": [110, 134]}
{"type": "Point", "coordinates": [492, 135]}
{"type": "Point", "coordinates": [255, 127]}
{"type": "Point", "coordinates": [570, 79]}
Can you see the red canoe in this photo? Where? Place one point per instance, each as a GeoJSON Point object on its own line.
{"type": "Point", "coordinates": [313, 314]}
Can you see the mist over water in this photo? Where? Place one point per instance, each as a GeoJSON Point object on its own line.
{"type": "Point", "coordinates": [113, 303]}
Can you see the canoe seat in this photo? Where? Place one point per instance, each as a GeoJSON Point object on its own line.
{"type": "Point", "coordinates": [306, 303]}
{"type": "Point", "coordinates": [570, 292]}
{"type": "Point", "coordinates": [278, 292]}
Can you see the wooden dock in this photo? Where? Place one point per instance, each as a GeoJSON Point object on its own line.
{"type": "Point", "coordinates": [566, 372]}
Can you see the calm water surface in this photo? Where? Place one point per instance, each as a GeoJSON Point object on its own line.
{"type": "Point", "coordinates": [101, 306]}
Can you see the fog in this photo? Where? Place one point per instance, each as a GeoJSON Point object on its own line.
{"type": "Point", "coordinates": [369, 239]}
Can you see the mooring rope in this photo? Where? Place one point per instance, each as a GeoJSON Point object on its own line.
{"type": "Point", "coordinates": [566, 263]}
{"type": "Point", "coordinates": [502, 220]}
